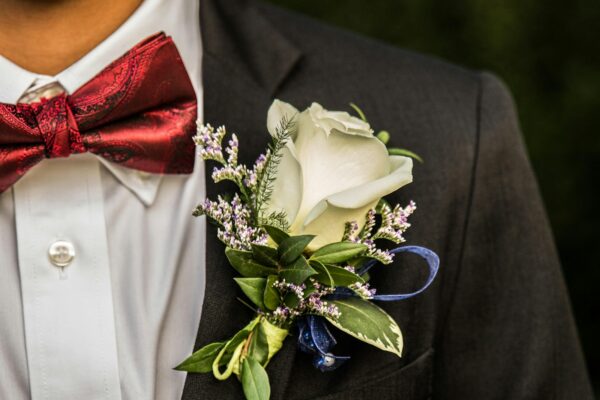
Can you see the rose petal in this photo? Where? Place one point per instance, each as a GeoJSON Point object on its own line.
{"type": "Point", "coordinates": [277, 112]}
{"type": "Point", "coordinates": [335, 163]}
{"type": "Point", "coordinates": [329, 226]}
{"type": "Point", "coordinates": [401, 174]}
{"type": "Point", "coordinates": [328, 217]}
{"type": "Point", "coordinates": [287, 188]}
{"type": "Point", "coordinates": [338, 120]}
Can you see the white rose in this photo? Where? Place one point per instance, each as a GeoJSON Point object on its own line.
{"type": "Point", "coordinates": [332, 171]}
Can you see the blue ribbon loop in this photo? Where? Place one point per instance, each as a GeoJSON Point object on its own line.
{"type": "Point", "coordinates": [433, 261]}
{"type": "Point", "coordinates": [314, 336]}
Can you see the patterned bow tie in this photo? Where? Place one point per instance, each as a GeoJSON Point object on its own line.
{"type": "Point", "coordinates": [139, 112]}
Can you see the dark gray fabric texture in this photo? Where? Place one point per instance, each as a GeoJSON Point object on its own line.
{"type": "Point", "coordinates": [496, 324]}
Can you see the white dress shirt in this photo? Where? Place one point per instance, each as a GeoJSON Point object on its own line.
{"type": "Point", "coordinates": [124, 311]}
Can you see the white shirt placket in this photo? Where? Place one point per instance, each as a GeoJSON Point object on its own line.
{"type": "Point", "coordinates": [65, 281]}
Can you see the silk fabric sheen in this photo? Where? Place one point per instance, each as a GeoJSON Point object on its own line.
{"type": "Point", "coordinates": [139, 112]}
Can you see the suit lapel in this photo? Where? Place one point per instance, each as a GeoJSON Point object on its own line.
{"type": "Point", "coordinates": [240, 77]}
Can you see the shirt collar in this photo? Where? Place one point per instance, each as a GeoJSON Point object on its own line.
{"type": "Point", "coordinates": [143, 184]}
{"type": "Point", "coordinates": [14, 81]}
{"type": "Point", "coordinates": [177, 18]}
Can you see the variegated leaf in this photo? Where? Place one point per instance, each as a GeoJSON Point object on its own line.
{"type": "Point", "coordinates": [369, 323]}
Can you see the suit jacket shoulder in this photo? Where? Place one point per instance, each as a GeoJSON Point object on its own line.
{"type": "Point", "coordinates": [374, 72]}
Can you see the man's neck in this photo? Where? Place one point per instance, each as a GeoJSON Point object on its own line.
{"type": "Point", "coordinates": [47, 36]}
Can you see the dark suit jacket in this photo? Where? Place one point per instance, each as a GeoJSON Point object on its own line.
{"type": "Point", "coordinates": [497, 323]}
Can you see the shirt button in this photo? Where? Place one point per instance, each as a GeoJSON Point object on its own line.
{"type": "Point", "coordinates": [61, 253]}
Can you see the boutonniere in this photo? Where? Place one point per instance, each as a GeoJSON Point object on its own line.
{"type": "Point", "coordinates": [303, 231]}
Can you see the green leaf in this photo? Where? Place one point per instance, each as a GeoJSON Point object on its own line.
{"type": "Point", "coordinates": [336, 253]}
{"type": "Point", "coordinates": [275, 336]}
{"type": "Point", "coordinates": [232, 363]}
{"type": "Point", "coordinates": [291, 300]}
{"type": "Point", "coordinates": [369, 323]}
{"type": "Point", "coordinates": [323, 275]}
{"type": "Point", "coordinates": [406, 153]}
{"type": "Point", "coordinates": [259, 345]}
{"type": "Point", "coordinates": [366, 276]}
{"type": "Point", "coordinates": [276, 234]}
{"type": "Point", "coordinates": [202, 360]}
{"type": "Point", "coordinates": [333, 275]}
{"type": "Point", "coordinates": [254, 288]}
{"type": "Point", "coordinates": [255, 380]}
{"type": "Point", "coordinates": [291, 248]}
{"type": "Point", "coordinates": [310, 289]}
{"type": "Point", "coordinates": [243, 263]}
{"type": "Point", "coordinates": [232, 344]}
{"type": "Point", "coordinates": [384, 136]}
{"type": "Point", "coordinates": [271, 298]}
{"type": "Point", "coordinates": [265, 255]}
{"type": "Point", "coordinates": [360, 262]}
{"type": "Point", "coordinates": [297, 272]}
{"type": "Point", "coordinates": [229, 355]}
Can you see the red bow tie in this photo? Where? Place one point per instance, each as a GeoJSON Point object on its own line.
{"type": "Point", "coordinates": [139, 112]}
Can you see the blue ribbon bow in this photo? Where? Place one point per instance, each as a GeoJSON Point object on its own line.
{"type": "Point", "coordinates": [314, 336]}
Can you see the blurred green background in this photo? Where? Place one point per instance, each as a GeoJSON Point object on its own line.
{"type": "Point", "coordinates": [548, 52]}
